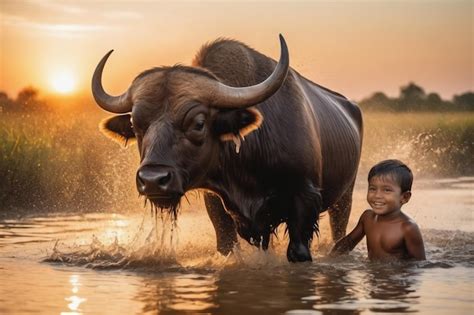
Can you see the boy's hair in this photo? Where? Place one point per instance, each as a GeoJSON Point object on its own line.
{"type": "Point", "coordinates": [400, 172]}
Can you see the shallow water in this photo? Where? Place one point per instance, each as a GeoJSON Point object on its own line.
{"type": "Point", "coordinates": [134, 264]}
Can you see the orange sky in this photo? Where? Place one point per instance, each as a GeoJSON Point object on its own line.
{"type": "Point", "coordinates": [353, 47]}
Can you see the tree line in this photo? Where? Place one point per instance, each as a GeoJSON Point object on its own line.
{"type": "Point", "coordinates": [412, 98]}
{"type": "Point", "coordinates": [27, 100]}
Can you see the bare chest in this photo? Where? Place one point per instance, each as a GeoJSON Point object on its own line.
{"type": "Point", "coordinates": [385, 240]}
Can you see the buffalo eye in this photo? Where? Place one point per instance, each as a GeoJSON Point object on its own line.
{"type": "Point", "coordinates": [196, 130]}
{"type": "Point", "coordinates": [199, 126]}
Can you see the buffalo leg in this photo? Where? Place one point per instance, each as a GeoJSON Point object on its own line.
{"type": "Point", "coordinates": [339, 214]}
{"type": "Point", "coordinates": [302, 219]}
{"type": "Point", "coordinates": [226, 235]}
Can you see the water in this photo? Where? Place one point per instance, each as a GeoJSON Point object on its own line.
{"type": "Point", "coordinates": [132, 264]}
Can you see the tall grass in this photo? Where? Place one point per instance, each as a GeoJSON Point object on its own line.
{"type": "Point", "coordinates": [434, 144]}
{"type": "Point", "coordinates": [62, 162]}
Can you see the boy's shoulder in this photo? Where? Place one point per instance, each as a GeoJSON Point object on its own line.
{"type": "Point", "coordinates": [409, 225]}
{"type": "Point", "coordinates": [366, 217]}
{"type": "Point", "coordinates": [367, 214]}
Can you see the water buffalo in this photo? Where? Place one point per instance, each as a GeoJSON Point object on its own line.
{"type": "Point", "coordinates": [265, 144]}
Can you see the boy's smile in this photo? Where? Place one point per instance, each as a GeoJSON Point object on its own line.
{"type": "Point", "coordinates": [385, 195]}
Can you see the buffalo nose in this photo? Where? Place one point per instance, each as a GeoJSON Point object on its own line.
{"type": "Point", "coordinates": [154, 180]}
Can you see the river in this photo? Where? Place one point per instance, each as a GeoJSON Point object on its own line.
{"type": "Point", "coordinates": [115, 263]}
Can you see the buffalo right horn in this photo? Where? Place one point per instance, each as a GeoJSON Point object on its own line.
{"type": "Point", "coordinates": [115, 104]}
{"type": "Point", "coordinates": [238, 97]}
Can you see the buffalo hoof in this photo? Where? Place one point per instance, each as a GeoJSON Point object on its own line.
{"type": "Point", "coordinates": [298, 253]}
{"type": "Point", "coordinates": [225, 247]}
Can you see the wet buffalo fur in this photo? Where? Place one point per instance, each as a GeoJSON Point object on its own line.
{"type": "Point", "coordinates": [286, 160]}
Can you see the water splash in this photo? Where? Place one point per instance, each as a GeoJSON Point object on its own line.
{"type": "Point", "coordinates": [430, 153]}
{"type": "Point", "coordinates": [155, 246]}
{"type": "Point", "coordinates": [155, 250]}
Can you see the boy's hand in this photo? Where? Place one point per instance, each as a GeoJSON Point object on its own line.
{"type": "Point", "coordinates": [347, 243]}
{"type": "Point", "coordinates": [343, 246]}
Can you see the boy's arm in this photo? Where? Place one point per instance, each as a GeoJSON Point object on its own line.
{"type": "Point", "coordinates": [414, 242]}
{"type": "Point", "coordinates": [347, 243]}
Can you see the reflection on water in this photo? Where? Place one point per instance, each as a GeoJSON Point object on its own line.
{"type": "Point", "coordinates": [74, 300]}
{"type": "Point", "coordinates": [116, 264]}
{"type": "Point", "coordinates": [186, 292]}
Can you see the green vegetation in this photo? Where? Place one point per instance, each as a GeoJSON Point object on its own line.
{"type": "Point", "coordinates": [54, 160]}
{"type": "Point", "coordinates": [413, 98]}
{"type": "Point", "coordinates": [434, 144]}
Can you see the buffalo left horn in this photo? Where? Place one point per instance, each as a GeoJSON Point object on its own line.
{"type": "Point", "coordinates": [237, 97]}
{"type": "Point", "coordinates": [115, 104]}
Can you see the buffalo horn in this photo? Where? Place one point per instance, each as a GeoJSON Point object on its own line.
{"type": "Point", "coordinates": [115, 104]}
{"type": "Point", "coordinates": [239, 97]}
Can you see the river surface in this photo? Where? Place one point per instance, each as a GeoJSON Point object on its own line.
{"type": "Point", "coordinates": [142, 264]}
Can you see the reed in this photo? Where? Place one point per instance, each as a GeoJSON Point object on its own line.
{"type": "Point", "coordinates": [55, 162]}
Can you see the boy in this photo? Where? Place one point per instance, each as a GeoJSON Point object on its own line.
{"type": "Point", "coordinates": [391, 235]}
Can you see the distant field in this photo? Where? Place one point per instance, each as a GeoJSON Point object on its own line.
{"type": "Point", "coordinates": [58, 162]}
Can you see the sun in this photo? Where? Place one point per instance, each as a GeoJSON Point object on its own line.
{"type": "Point", "coordinates": [63, 82]}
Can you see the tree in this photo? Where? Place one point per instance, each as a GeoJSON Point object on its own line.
{"type": "Point", "coordinates": [434, 99]}
{"type": "Point", "coordinates": [378, 101]}
{"type": "Point", "coordinates": [6, 104]}
{"type": "Point", "coordinates": [27, 100]}
{"type": "Point", "coordinates": [412, 92]}
{"type": "Point", "coordinates": [465, 100]}
{"type": "Point", "coordinates": [434, 102]}
{"type": "Point", "coordinates": [26, 95]}
{"type": "Point", "coordinates": [412, 96]}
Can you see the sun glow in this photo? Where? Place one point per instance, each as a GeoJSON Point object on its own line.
{"type": "Point", "coordinates": [63, 82]}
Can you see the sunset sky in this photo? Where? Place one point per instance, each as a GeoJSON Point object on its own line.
{"type": "Point", "coordinates": [353, 47]}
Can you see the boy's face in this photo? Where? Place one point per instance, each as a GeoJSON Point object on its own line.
{"type": "Point", "coordinates": [385, 195]}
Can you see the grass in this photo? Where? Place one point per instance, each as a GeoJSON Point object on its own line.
{"type": "Point", "coordinates": [61, 162]}
{"type": "Point", "coordinates": [54, 162]}
{"type": "Point", "coordinates": [433, 144]}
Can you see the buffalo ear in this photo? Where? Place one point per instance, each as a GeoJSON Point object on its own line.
{"type": "Point", "coordinates": [237, 122]}
{"type": "Point", "coordinates": [119, 129]}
